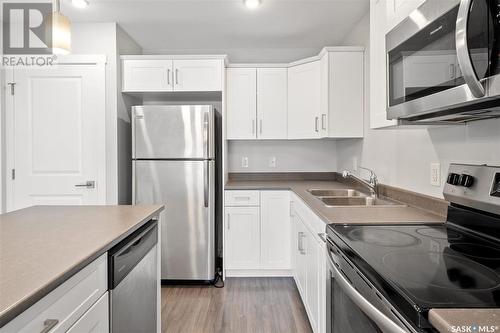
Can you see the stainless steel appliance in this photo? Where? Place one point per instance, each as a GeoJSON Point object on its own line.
{"type": "Point", "coordinates": [133, 282]}
{"type": "Point", "coordinates": [386, 278]}
{"type": "Point", "coordinates": [444, 62]}
{"type": "Point", "coordinates": [174, 164]}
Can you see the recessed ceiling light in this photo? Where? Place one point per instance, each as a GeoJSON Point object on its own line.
{"type": "Point", "coordinates": [80, 3]}
{"type": "Point", "coordinates": [252, 4]}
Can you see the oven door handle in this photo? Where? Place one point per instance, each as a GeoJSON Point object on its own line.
{"type": "Point", "coordinates": [380, 319]}
{"type": "Point", "coordinates": [464, 58]}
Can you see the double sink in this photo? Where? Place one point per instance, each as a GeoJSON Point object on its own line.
{"type": "Point", "coordinates": [350, 198]}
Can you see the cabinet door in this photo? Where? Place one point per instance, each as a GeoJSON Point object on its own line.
{"type": "Point", "coordinates": [95, 320]}
{"type": "Point", "coordinates": [313, 281]}
{"type": "Point", "coordinates": [304, 101]}
{"type": "Point", "coordinates": [242, 237]}
{"type": "Point", "coordinates": [378, 66]}
{"type": "Point", "coordinates": [272, 103]}
{"type": "Point", "coordinates": [300, 239]}
{"type": "Point", "coordinates": [198, 75]}
{"type": "Point", "coordinates": [275, 229]}
{"type": "Point", "coordinates": [346, 95]}
{"type": "Point", "coordinates": [147, 75]}
{"type": "Point", "coordinates": [241, 103]}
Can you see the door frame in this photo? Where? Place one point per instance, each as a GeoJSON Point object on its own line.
{"type": "Point", "coordinates": [8, 140]}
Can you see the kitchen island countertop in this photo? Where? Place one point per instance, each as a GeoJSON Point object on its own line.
{"type": "Point", "coordinates": [43, 246]}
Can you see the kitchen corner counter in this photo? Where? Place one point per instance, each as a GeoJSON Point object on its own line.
{"type": "Point", "coordinates": [42, 246]}
{"type": "Point", "coordinates": [445, 319]}
{"type": "Point", "coordinates": [343, 215]}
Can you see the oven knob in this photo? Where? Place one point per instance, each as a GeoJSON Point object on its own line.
{"type": "Point", "coordinates": [453, 178]}
{"type": "Point", "coordinates": [466, 180]}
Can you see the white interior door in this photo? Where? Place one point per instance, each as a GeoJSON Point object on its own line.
{"type": "Point", "coordinates": [56, 141]}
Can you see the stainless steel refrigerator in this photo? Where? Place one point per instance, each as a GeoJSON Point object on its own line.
{"type": "Point", "coordinates": [173, 163]}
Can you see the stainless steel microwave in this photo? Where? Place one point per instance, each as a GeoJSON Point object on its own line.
{"type": "Point", "coordinates": [443, 62]}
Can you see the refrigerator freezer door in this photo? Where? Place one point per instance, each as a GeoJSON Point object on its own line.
{"type": "Point", "coordinates": [173, 132]}
{"type": "Point", "coordinates": [186, 188]}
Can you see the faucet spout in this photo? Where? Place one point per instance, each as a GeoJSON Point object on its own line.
{"type": "Point", "coordinates": [371, 184]}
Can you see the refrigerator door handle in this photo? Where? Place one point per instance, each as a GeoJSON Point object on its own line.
{"type": "Point", "coordinates": [206, 182]}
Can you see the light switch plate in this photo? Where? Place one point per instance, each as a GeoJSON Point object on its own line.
{"type": "Point", "coordinates": [435, 174]}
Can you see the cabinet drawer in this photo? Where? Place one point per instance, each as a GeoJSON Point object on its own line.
{"type": "Point", "coordinates": [310, 219]}
{"type": "Point", "coordinates": [242, 198]}
{"type": "Point", "coordinates": [65, 304]}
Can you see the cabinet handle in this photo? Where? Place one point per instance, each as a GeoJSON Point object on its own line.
{"type": "Point", "coordinates": [49, 324]}
{"type": "Point", "coordinates": [452, 71]}
{"type": "Point", "coordinates": [242, 198]}
{"type": "Point", "coordinates": [253, 126]}
{"type": "Point", "coordinates": [316, 120]}
{"type": "Point", "coordinates": [322, 235]}
{"type": "Point", "coordinates": [301, 243]}
{"type": "Point", "coordinates": [228, 221]}
{"type": "Point", "coordinates": [260, 125]}
{"type": "Point", "coordinates": [176, 76]}
{"type": "Point", "coordinates": [323, 121]}
{"type": "Point", "coordinates": [168, 76]}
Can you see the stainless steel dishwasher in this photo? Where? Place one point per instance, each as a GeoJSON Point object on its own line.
{"type": "Point", "coordinates": [133, 278]}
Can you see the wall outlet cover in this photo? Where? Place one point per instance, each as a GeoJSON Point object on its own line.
{"type": "Point", "coordinates": [272, 162]}
{"type": "Point", "coordinates": [435, 174]}
{"type": "Point", "coordinates": [244, 162]}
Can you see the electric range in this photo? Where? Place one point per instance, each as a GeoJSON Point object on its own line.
{"type": "Point", "coordinates": [403, 271]}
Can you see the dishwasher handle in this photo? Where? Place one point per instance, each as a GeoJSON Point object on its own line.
{"type": "Point", "coordinates": [124, 256]}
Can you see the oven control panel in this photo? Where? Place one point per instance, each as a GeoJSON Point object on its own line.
{"type": "Point", "coordinates": [475, 186]}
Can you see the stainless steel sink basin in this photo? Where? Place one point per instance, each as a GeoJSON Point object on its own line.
{"type": "Point", "coordinates": [336, 193]}
{"type": "Point", "coordinates": [358, 202]}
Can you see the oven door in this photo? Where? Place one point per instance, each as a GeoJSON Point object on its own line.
{"type": "Point", "coordinates": [347, 310]}
{"type": "Point", "coordinates": [438, 58]}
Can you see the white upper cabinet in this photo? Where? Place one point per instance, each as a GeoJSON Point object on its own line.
{"type": "Point", "coordinates": [343, 117]}
{"type": "Point", "coordinates": [241, 103]}
{"type": "Point", "coordinates": [272, 103]}
{"type": "Point", "coordinates": [198, 75]}
{"type": "Point", "coordinates": [147, 74]}
{"type": "Point", "coordinates": [304, 101]}
{"type": "Point", "coordinates": [256, 103]}
{"type": "Point", "coordinates": [378, 65]}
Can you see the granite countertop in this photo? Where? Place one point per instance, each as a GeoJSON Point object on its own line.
{"type": "Point", "coordinates": [42, 246]}
{"type": "Point", "coordinates": [435, 213]}
{"type": "Point", "coordinates": [444, 320]}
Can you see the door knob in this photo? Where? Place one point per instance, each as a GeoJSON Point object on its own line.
{"type": "Point", "coordinates": [87, 184]}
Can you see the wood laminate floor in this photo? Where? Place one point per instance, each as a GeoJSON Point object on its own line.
{"type": "Point", "coordinates": [243, 305]}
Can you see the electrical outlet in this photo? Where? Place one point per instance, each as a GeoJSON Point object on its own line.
{"type": "Point", "coordinates": [435, 174]}
{"type": "Point", "coordinates": [244, 162]}
{"type": "Point", "coordinates": [272, 162]}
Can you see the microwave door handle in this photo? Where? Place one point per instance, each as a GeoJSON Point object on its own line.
{"type": "Point", "coordinates": [464, 58]}
{"type": "Point", "coordinates": [382, 321]}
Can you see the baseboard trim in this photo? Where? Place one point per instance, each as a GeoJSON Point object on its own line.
{"type": "Point", "coordinates": [259, 273]}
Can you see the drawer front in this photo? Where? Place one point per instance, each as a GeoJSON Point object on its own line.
{"type": "Point", "coordinates": [242, 198]}
{"type": "Point", "coordinates": [63, 306]}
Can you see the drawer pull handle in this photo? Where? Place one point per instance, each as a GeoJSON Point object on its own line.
{"type": "Point", "coordinates": [49, 324]}
{"type": "Point", "coordinates": [242, 198]}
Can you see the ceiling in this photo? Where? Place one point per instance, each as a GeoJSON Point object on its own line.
{"type": "Point", "coordinates": [278, 31]}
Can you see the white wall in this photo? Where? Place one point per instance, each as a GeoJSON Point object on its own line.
{"type": "Point", "coordinates": [304, 155]}
{"type": "Point", "coordinates": [109, 39]}
{"type": "Point", "coordinates": [402, 157]}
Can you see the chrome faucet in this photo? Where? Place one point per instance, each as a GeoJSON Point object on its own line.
{"type": "Point", "coordinates": [371, 184]}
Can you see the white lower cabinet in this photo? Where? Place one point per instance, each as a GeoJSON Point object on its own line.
{"type": "Point", "coordinates": [242, 237]}
{"type": "Point", "coordinates": [257, 235]}
{"type": "Point", "coordinates": [95, 320]}
{"type": "Point", "coordinates": [309, 266]}
{"type": "Point", "coordinates": [63, 307]}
